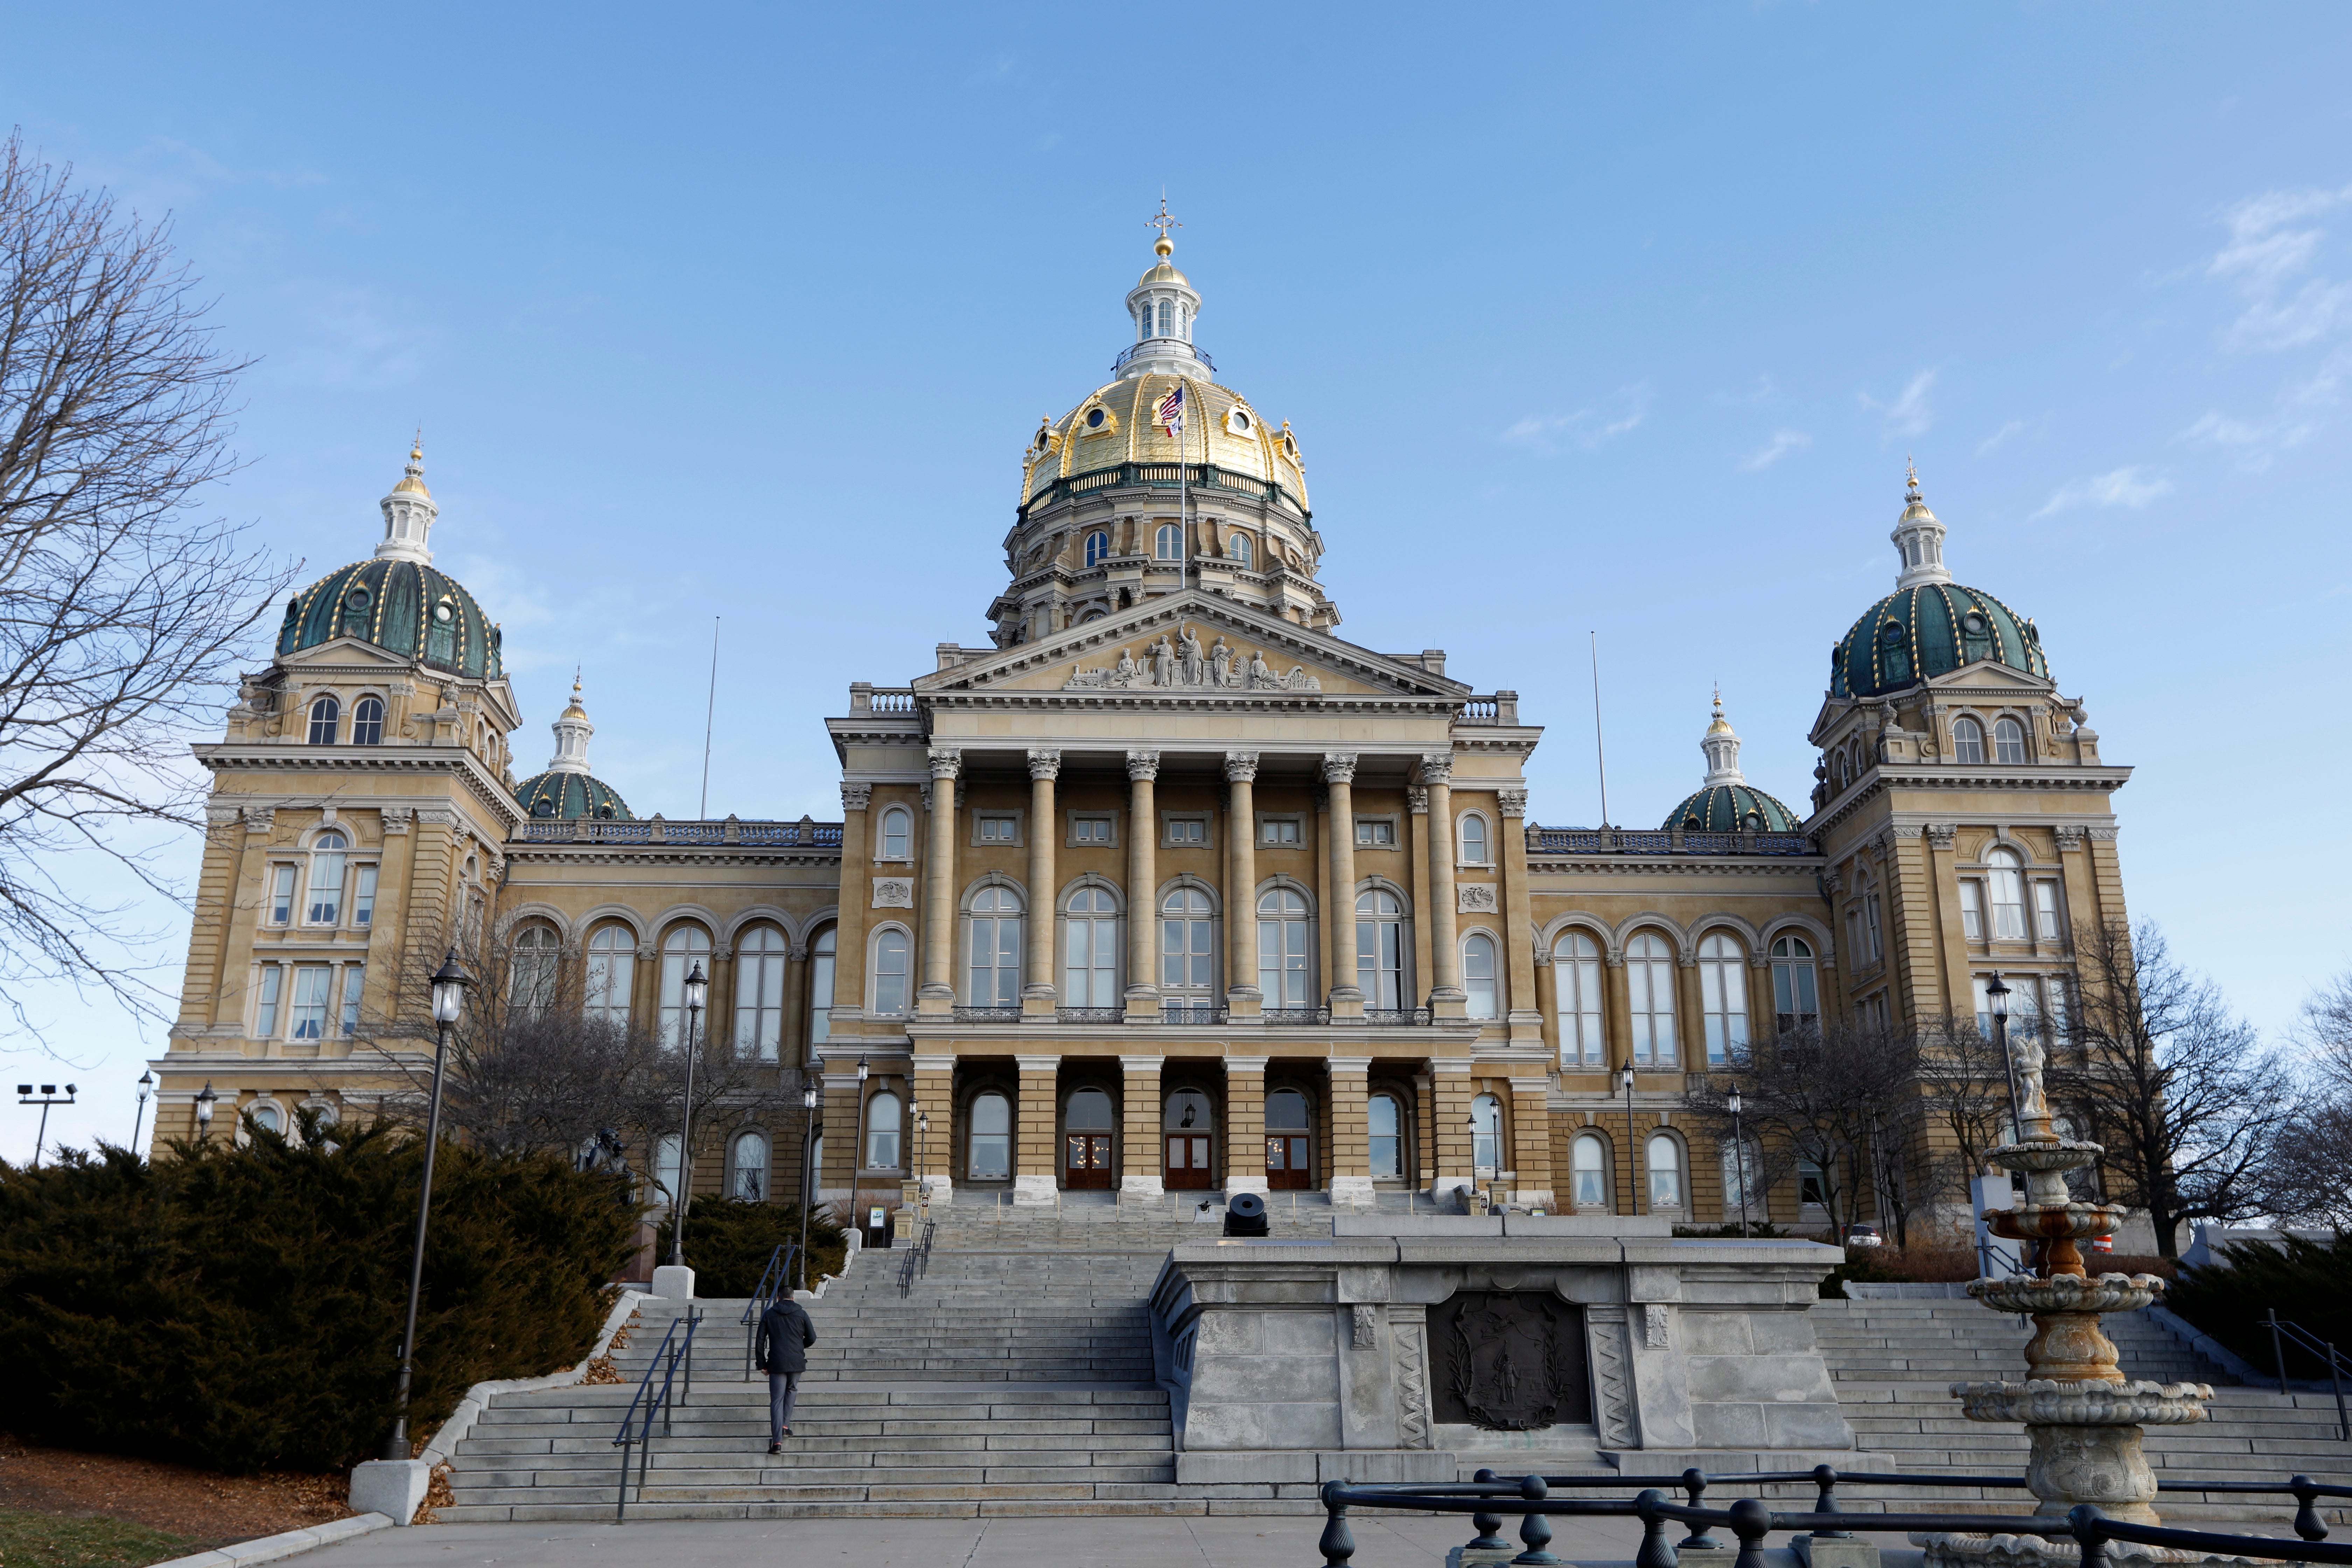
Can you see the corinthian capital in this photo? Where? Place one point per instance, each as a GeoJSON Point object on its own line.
{"type": "Point", "coordinates": [1437, 768]}
{"type": "Point", "coordinates": [1141, 766]}
{"type": "Point", "coordinates": [1045, 764]}
{"type": "Point", "coordinates": [1514, 802]}
{"type": "Point", "coordinates": [855, 797]}
{"type": "Point", "coordinates": [1241, 767]}
{"type": "Point", "coordinates": [1339, 767]}
{"type": "Point", "coordinates": [946, 762]}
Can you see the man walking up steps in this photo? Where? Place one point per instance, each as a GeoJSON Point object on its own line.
{"type": "Point", "coordinates": [785, 1334]}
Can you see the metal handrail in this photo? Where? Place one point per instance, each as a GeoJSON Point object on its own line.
{"type": "Point", "coordinates": [2281, 1332]}
{"type": "Point", "coordinates": [917, 1261]}
{"type": "Point", "coordinates": [668, 1355]}
{"type": "Point", "coordinates": [772, 1284]}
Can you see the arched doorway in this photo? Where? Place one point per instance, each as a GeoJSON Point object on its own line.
{"type": "Point", "coordinates": [1087, 1122]}
{"type": "Point", "coordinates": [1188, 1136]}
{"type": "Point", "coordinates": [1289, 1146]}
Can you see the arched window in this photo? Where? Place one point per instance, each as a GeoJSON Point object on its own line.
{"type": "Point", "coordinates": [987, 1151]}
{"type": "Point", "coordinates": [682, 950]}
{"type": "Point", "coordinates": [267, 1117]}
{"type": "Point", "coordinates": [1650, 979]}
{"type": "Point", "coordinates": [882, 1113]}
{"type": "Point", "coordinates": [1796, 992]}
{"type": "Point", "coordinates": [821, 953]}
{"type": "Point", "coordinates": [1187, 951]}
{"type": "Point", "coordinates": [896, 833]}
{"type": "Point", "coordinates": [995, 977]}
{"type": "Point", "coordinates": [1968, 740]}
{"type": "Point", "coordinates": [323, 714]}
{"type": "Point", "coordinates": [746, 1167]}
{"type": "Point", "coordinates": [1576, 974]}
{"type": "Point", "coordinates": [2008, 895]}
{"type": "Point", "coordinates": [1478, 975]}
{"type": "Point", "coordinates": [367, 722]}
{"type": "Point", "coordinates": [890, 973]}
{"type": "Point", "coordinates": [1167, 318]}
{"type": "Point", "coordinates": [1289, 1141]}
{"type": "Point", "coordinates": [1665, 1163]}
{"type": "Point", "coordinates": [1090, 949]}
{"type": "Point", "coordinates": [1384, 1117]}
{"type": "Point", "coordinates": [531, 988]}
{"type": "Point", "coordinates": [1381, 949]}
{"type": "Point", "coordinates": [1723, 996]}
{"type": "Point", "coordinates": [1238, 550]}
{"type": "Point", "coordinates": [1587, 1159]}
{"type": "Point", "coordinates": [1837, 773]}
{"type": "Point", "coordinates": [1282, 972]}
{"type": "Point", "coordinates": [1098, 546]}
{"type": "Point", "coordinates": [327, 861]}
{"type": "Point", "coordinates": [1087, 1119]}
{"type": "Point", "coordinates": [1089, 1111]}
{"type": "Point", "coordinates": [612, 974]}
{"type": "Point", "coordinates": [759, 992]}
{"type": "Point", "coordinates": [1486, 1135]}
{"type": "Point", "coordinates": [2008, 742]}
{"type": "Point", "coordinates": [1168, 544]}
{"type": "Point", "coordinates": [1473, 831]}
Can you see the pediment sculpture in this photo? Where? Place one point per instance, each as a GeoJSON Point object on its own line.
{"type": "Point", "coordinates": [1181, 665]}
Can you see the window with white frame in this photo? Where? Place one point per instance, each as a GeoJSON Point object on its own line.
{"type": "Point", "coordinates": [267, 1117]}
{"type": "Point", "coordinates": [760, 992]}
{"type": "Point", "coordinates": [1238, 550]}
{"type": "Point", "coordinates": [1376, 833]}
{"type": "Point", "coordinates": [1478, 977]}
{"type": "Point", "coordinates": [1282, 963]}
{"type": "Point", "coordinates": [354, 986]}
{"type": "Point", "coordinates": [668, 1168]}
{"type": "Point", "coordinates": [612, 974]}
{"type": "Point", "coordinates": [890, 952]}
{"type": "Point", "coordinates": [1278, 832]}
{"type": "Point", "coordinates": [988, 1153]}
{"type": "Point", "coordinates": [367, 722]}
{"type": "Point", "coordinates": [1972, 922]}
{"type": "Point", "coordinates": [994, 975]}
{"type": "Point", "coordinates": [282, 895]}
{"type": "Point", "coordinates": [2008, 741]}
{"type": "Point", "coordinates": [1380, 950]}
{"type": "Point", "coordinates": [1384, 1120]}
{"type": "Point", "coordinates": [1486, 1135]}
{"type": "Point", "coordinates": [898, 834]}
{"type": "Point", "coordinates": [821, 956]}
{"type": "Point", "coordinates": [1472, 831]}
{"type": "Point", "coordinates": [1168, 544]}
{"type": "Point", "coordinates": [311, 994]}
{"type": "Point", "coordinates": [1093, 832]}
{"type": "Point", "coordinates": [1813, 1184]}
{"type": "Point", "coordinates": [683, 949]}
{"type": "Point", "coordinates": [1090, 949]}
{"type": "Point", "coordinates": [882, 1114]}
{"type": "Point", "coordinates": [265, 998]}
{"type": "Point", "coordinates": [323, 714]}
{"type": "Point", "coordinates": [999, 830]}
{"type": "Point", "coordinates": [1968, 740]}
{"type": "Point", "coordinates": [1723, 996]}
{"type": "Point", "coordinates": [1650, 981]}
{"type": "Point", "coordinates": [1576, 977]}
{"type": "Point", "coordinates": [1796, 985]}
{"type": "Point", "coordinates": [746, 1167]}
{"type": "Point", "coordinates": [1184, 832]}
{"type": "Point", "coordinates": [530, 979]}
{"type": "Point", "coordinates": [363, 896]}
{"type": "Point", "coordinates": [2047, 924]}
{"type": "Point", "coordinates": [1187, 949]}
{"type": "Point", "coordinates": [1098, 546]}
{"type": "Point", "coordinates": [1587, 1159]}
{"type": "Point", "coordinates": [1664, 1162]}
{"type": "Point", "coordinates": [325, 905]}
{"type": "Point", "coordinates": [2008, 894]}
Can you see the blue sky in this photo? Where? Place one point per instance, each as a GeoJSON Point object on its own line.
{"type": "Point", "coordinates": [1605, 319]}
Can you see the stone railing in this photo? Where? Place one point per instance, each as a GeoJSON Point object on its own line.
{"type": "Point", "coordinates": [1619, 841]}
{"type": "Point", "coordinates": [728, 832]}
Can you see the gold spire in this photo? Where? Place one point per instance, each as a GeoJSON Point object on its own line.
{"type": "Point", "coordinates": [1910, 479]}
{"type": "Point", "coordinates": [413, 483]}
{"type": "Point", "coordinates": [575, 710]}
{"type": "Point", "coordinates": [1722, 726]}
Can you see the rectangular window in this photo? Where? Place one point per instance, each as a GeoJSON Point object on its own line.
{"type": "Point", "coordinates": [1184, 832]}
{"type": "Point", "coordinates": [2045, 910]}
{"type": "Point", "coordinates": [265, 1013]}
{"type": "Point", "coordinates": [311, 990]}
{"type": "Point", "coordinates": [1000, 830]}
{"type": "Point", "coordinates": [354, 983]}
{"type": "Point", "coordinates": [1279, 831]}
{"type": "Point", "coordinates": [1812, 1185]}
{"type": "Point", "coordinates": [1376, 834]}
{"type": "Point", "coordinates": [282, 895]}
{"type": "Point", "coordinates": [1971, 908]}
{"type": "Point", "coordinates": [326, 889]}
{"type": "Point", "coordinates": [1094, 830]}
{"type": "Point", "coordinates": [1870, 926]}
{"type": "Point", "coordinates": [364, 897]}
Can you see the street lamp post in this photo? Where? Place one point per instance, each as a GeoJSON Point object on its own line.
{"type": "Point", "coordinates": [698, 992]}
{"type": "Point", "coordinates": [808, 1167]}
{"type": "Point", "coordinates": [449, 984]}
{"type": "Point", "coordinates": [1632, 1161]}
{"type": "Point", "coordinates": [857, 1154]}
{"type": "Point", "coordinates": [922, 1160]}
{"type": "Point", "coordinates": [146, 1083]}
{"type": "Point", "coordinates": [1739, 1156]}
{"type": "Point", "coordinates": [1471, 1122]}
{"type": "Point", "coordinates": [203, 1112]}
{"type": "Point", "coordinates": [48, 1097]}
{"type": "Point", "coordinates": [1997, 999]}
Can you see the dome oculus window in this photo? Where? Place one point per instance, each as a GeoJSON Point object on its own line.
{"type": "Point", "coordinates": [1099, 421]}
{"type": "Point", "coordinates": [1239, 422]}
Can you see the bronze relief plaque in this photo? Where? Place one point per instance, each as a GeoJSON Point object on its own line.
{"type": "Point", "coordinates": [1510, 1360]}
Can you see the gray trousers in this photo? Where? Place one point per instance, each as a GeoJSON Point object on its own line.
{"type": "Point", "coordinates": [783, 1387]}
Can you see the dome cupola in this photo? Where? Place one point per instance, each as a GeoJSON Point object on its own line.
{"type": "Point", "coordinates": [1725, 802]}
{"type": "Point", "coordinates": [1163, 305]}
{"type": "Point", "coordinates": [408, 513]}
{"type": "Point", "coordinates": [567, 789]}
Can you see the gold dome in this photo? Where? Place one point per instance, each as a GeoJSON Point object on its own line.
{"type": "Point", "coordinates": [413, 481]}
{"type": "Point", "coordinates": [1722, 726]}
{"type": "Point", "coordinates": [1164, 273]}
{"type": "Point", "coordinates": [1116, 425]}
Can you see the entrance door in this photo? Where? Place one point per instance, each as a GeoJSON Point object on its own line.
{"type": "Point", "coordinates": [1287, 1165]}
{"type": "Point", "coordinates": [1188, 1163]}
{"type": "Point", "coordinates": [1087, 1160]}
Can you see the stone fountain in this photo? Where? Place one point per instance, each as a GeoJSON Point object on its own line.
{"type": "Point", "coordinates": [2079, 1413]}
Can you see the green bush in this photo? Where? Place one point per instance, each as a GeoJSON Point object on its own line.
{"type": "Point", "coordinates": [1758, 1230]}
{"type": "Point", "coordinates": [730, 1242]}
{"type": "Point", "coordinates": [2305, 1282]}
{"type": "Point", "coordinates": [240, 1308]}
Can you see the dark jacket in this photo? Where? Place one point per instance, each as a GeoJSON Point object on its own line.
{"type": "Point", "coordinates": [785, 1334]}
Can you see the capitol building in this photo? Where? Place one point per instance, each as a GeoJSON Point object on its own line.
{"type": "Point", "coordinates": [1165, 886]}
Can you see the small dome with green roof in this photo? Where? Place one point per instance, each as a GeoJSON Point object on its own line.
{"type": "Point", "coordinates": [1929, 626]}
{"type": "Point", "coordinates": [1727, 802]}
{"type": "Point", "coordinates": [567, 789]}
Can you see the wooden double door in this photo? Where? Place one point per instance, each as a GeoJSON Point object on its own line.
{"type": "Point", "coordinates": [1189, 1163]}
{"type": "Point", "coordinates": [1290, 1161]}
{"type": "Point", "coordinates": [1085, 1161]}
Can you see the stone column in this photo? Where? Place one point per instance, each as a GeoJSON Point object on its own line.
{"type": "Point", "coordinates": [1524, 1012]}
{"type": "Point", "coordinates": [938, 887]}
{"type": "Point", "coordinates": [1244, 1124]}
{"type": "Point", "coordinates": [1339, 777]}
{"type": "Point", "coordinates": [1531, 1140]}
{"type": "Point", "coordinates": [1143, 890]}
{"type": "Point", "coordinates": [1243, 996]}
{"type": "Point", "coordinates": [932, 1156]}
{"type": "Point", "coordinates": [792, 1040]}
{"type": "Point", "coordinates": [1351, 1136]}
{"type": "Point", "coordinates": [1139, 1167]}
{"type": "Point", "coordinates": [849, 1001]}
{"type": "Point", "coordinates": [1690, 1013]}
{"type": "Point", "coordinates": [1446, 996]}
{"type": "Point", "coordinates": [1037, 993]}
{"type": "Point", "coordinates": [1416, 799]}
{"type": "Point", "coordinates": [1617, 1006]}
{"type": "Point", "coordinates": [1036, 1158]}
{"type": "Point", "coordinates": [1548, 1003]}
{"type": "Point", "coordinates": [1450, 1111]}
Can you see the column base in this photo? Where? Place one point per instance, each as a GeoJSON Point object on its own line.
{"type": "Point", "coordinates": [674, 1281]}
{"type": "Point", "coordinates": [1141, 1190]}
{"type": "Point", "coordinates": [1351, 1192]}
{"type": "Point", "coordinates": [1033, 1192]}
{"type": "Point", "coordinates": [393, 1487]}
{"type": "Point", "coordinates": [1245, 1002]}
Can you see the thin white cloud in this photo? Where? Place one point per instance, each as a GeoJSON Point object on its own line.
{"type": "Point", "coordinates": [1782, 443]}
{"type": "Point", "coordinates": [1908, 414]}
{"type": "Point", "coordinates": [2263, 255]}
{"type": "Point", "coordinates": [1595, 424]}
{"type": "Point", "coordinates": [2014, 428]}
{"type": "Point", "coordinates": [2131, 487]}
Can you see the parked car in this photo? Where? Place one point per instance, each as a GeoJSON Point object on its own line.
{"type": "Point", "coordinates": [1863, 1236]}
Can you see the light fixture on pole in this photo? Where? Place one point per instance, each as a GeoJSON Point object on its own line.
{"type": "Point", "coordinates": [922, 1159]}
{"type": "Point", "coordinates": [146, 1085]}
{"type": "Point", "coordinates": [1997, 1003]}
{"type": "Point", "coordinates": [203, 1112]}
{"type": "Point", "coordinates": [1633, 1163]}
{"type": "Point", "coordinates": [698, 992]}
{"type": "Point", "coordinates": [48, 1097]}
{"type": "Point", "coordinates": [808, 1170]}
{"type": "Point", "coordinates": [449, 984]}
{"type": "Point", "coordinates": [1732, 1102]}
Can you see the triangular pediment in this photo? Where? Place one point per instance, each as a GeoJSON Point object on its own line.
{"type": "Point", "coordinates": [1990, 675]}
{"type": "Point", "coordinates": [1193, 645]}
{"type": "Point", "coordinates": [347, 651]}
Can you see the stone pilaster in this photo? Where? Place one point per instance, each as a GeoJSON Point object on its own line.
{"type": "Point", "coordinates": [1350, 1133]}
{"type": "Point", "coordinates": [1446, 995]}
{"type": "Point", "coordinates": [1036, 1159]}
{"type": "Point", "coordinates": [1246, 1124]}
{"type": "Point", "coordinates": [1524, 1012]}
{"type": "Point", "coordinates": [1339, 777]}
{"type": "Point", "coordinates": [1531, 1140]}
{"type": "Point", "coordinates": [938, 887]}
{"type": "Point", "coordinates": [1449, 1115]}
{"type": "Point", "coordinates": [932, 1156]}
{"type": "Point", "coordinates": [1140, 1154]}
{"type": "Point", "coordinates": [1142, 888]}
{"type": "Point", "coordinates": [1037, 992]}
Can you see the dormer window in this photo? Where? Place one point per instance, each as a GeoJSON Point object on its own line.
{"type": "Point", "coordinates": [1238, 550]}
{"type": "Point", "coordinates": [1168, 543]}
{"type": "Point", "coordinates": [367, 722]}
{"type": "Point", "coordinates": [1094, 418]}
{"type": "Point", "coordinates": [1968, 740]}
{"type": "Point", "coordinates": [2008, 741]}
{"type": "Point", "coordinates": [1098, 543]}
{"type": "Point", "coordinates": [323, 714]}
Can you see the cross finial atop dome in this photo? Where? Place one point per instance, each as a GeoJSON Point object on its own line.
{"type": "Point", "coordinates": [1165, 245]}
{"type": "Point", "coordinates": [409, 511]}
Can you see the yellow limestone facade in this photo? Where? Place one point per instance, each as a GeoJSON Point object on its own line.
{"type": "Point", "coordinates": [1166, 889]}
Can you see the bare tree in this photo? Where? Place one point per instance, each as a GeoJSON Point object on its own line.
{"type": "Point", "coordinates": [2183, 1095]}
{"type": "Point", "coordinates": [122, 609]}
{"type": "Point", "coordinates": [2308, 1174]}
{"type": "Point", "coordinates": [1965, 1105]}
{"type": "Point", "coordinates": [1829, 1098]}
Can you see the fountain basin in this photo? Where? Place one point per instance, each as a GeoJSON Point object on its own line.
{"type": "Point", "coordinates": [2041, 1402]}
{"type": "Point", "coordinates": [2068, 1293]}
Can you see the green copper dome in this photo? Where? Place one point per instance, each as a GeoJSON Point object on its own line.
{"type": "Point", "coordinates": [1913, 633]}
{"type": "Point", "coordinates": [570, 794]}
{"type": "Point", "coordinates": [400, 606]}
{"type": "Point", "coordinates": [1728, 808]}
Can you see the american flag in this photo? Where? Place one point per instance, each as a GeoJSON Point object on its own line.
{"type": "Point", "coordinates": [1172, 410]}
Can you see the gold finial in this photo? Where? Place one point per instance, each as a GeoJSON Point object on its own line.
{"type": "Point", "coordinates": [416, 446]}
{"type": "Point", "coordinates": [1910, 479]}
{"type": "Point", "coordinates": [413, 481]}
{"type": "Point", "coordinates": [1163, 223]}
{"type": "Point", "coordinates": [1721, 726]}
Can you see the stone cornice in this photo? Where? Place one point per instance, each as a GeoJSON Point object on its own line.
{"type": "Point", "coordinates": [229, 756]}
{"type": "Point", "coordinates": [519, 852]}
{"type": "Point", "coordinates": [1887, 776]}
{"type": "Point", "coordinates": [1663, 865]}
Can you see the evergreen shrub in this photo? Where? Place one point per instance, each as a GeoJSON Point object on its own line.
{"type": "Point", "coordinates": [240, 1308]}
{"type": "Point", "coordinates": [2305, 1282]}
{"type": "Point", "coordinates": [728, 1242]}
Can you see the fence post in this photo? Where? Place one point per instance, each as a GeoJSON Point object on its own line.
{"type": "Point", "coordinates": [1751, 1521]}
{"type": "Point", "coordinates": [1654, 1552]}
{"type": "Point", "coordinates": [1489, 1525]}
{"type": "Point", "coordinates": [2307, 1522]}
{"type": "Point", "coordinates": [2085, 1520]}
{"type": "Point", "coordinates": [1698, 1540]}
{"type": "Point", "coordinates": [1826, 1479]}
{"type": "Point", "coordinates": [1338, 1543]}
{"type": "Point", "coordinates": [1535, 1530]}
